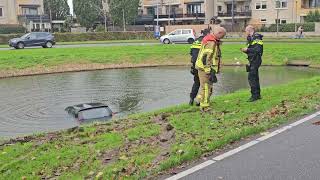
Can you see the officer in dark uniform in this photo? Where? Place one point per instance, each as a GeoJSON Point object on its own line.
{"type": "Point", "coordinates": [194, 52]}
{"type": "Point", "coordinates": [254, 52]}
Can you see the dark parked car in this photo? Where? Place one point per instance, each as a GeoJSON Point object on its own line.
{"type": "Point", "coordinates": [90, 111]}
{"type": "Point", "coordinates": [44, 39]}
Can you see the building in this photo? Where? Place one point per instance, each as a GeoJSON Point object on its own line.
{"type": "Point", "coordinates": [239, 17]}
{"type": "Point", "coordinates": [29, 13]}
{"type": "Point", "coordinates": [271, 12]}
{"type": "Point", "coordinates": [176, 11]}
{"type": "Point", "coordinates": [305, 6]}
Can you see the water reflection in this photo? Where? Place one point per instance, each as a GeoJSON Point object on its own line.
{"type": "Point", "coordinates": [37, 103]}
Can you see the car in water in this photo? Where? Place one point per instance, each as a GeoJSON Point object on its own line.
{"type": "Point", "coordinates": [44, 39]}
{"type": "Point", "coordinates": [179, 36]}
{"type": "Point", "coordinates": [90, 112]}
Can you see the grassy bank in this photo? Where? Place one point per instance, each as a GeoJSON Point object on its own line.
{"type": "Point", "coordinates": [98, 42]}
{"type": "Point", "coordinates": [145, 145]}
{"type": "Point", "coordinates": [276, 54]}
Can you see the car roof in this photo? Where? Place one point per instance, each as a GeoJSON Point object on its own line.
{"type": "Point", "coordinates": [86, 106]}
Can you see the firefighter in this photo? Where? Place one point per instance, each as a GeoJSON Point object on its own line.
{"type": "Point", "coordinates": [207, 65]}
{"type": "Point", "coordinates": [194, 52]}
{"type": "Point", "coordinates": [254, 52]}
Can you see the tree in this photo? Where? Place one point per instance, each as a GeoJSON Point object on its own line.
{"type": "Point", "coordinates": [123, 11]}
{"type": "Point", "coordinates": [57, 9]}
{"type": "Point", "coordinates": [313, 16]}
{"type": "Point", "coordinates": [88, 12]}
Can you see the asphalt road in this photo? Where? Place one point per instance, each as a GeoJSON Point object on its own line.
{"type": "Point", "coordinates": [291, 155]}
{"type": "Point", "coordinates": [92, 45]}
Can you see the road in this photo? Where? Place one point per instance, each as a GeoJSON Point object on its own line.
{"type": "Point", "coordinates": [290, 155]}
{"type": "Point", "coordinates": [94, 45]}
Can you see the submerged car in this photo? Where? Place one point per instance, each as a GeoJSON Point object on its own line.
{"type": "Point", "coordinates": [44, 39]}
{"type": "Point", "coordinates": [179, 36]}
{"type": "Point", "coordinates": [90, 111]}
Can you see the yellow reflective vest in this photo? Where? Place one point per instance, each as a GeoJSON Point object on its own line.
{"type": "Point", "coordinates": [207, 58]}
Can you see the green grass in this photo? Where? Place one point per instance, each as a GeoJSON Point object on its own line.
{"type": "Point", "coordinates": [275, 54]}
{"type": "Point", "coordinates": [131, 149]}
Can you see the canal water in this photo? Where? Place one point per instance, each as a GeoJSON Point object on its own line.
{"type": "Point", "coordinates": [34, 104]}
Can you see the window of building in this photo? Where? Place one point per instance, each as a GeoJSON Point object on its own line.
{"type": "Point", "coordinates": [263, 20]}
{"type": "Point", "coordinates": [193, 8]}
{"type": "Point", "coordinates": [172, 9]}
{"type": "Point", "coordinates": [1, 12]}
{"type": "Point", "coordinates": [150, 11]}
{"type": "Point", "coordinates": [281, 21]}
{"type": "Point", "coordinates": [246, 8]}
{"type": "Point", "coordinates": [219, 8]}
{"type": "Point", "coordinates": [280, 4]}
{"type": "Point", "coordinates": [29, 10]}
{"type": "Point", "coordinates": [261, 5]}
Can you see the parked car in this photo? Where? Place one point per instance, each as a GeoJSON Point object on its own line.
{"type": "Point", "coordinates": [44, 39]}
{"type": "Point", "coordinates": [90, 111]}
{"type": "Point", "coordinates": [179, 36]}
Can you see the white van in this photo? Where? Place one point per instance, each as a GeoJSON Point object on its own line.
{"type": "Point", "coordinates": [179, 36]}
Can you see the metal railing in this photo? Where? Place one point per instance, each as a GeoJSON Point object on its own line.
{"type": "Point", "coordinates": [237, 13]}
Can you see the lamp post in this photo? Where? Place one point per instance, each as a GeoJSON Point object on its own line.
{"type": "Point", "coordinates": [277, 4]}
{"type": "Point", "coordinates": [232, 14]}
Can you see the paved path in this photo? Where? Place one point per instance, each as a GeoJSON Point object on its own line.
{"type": "Point", "coordinates": [294, 154]}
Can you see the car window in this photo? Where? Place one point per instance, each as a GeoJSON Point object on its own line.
{"type": "Point", "coordinates": [24, 36]}
{"type": "Point", "coordinates": [42, 35]}
{"type": "Point", "coordinates": [177, 32]}
{"type": "Point", "coordinates": [32, 36]}
{"type": "Point", "coordinates": [186, 31]}
{"type": "Point", "coordinates": [95, 113]}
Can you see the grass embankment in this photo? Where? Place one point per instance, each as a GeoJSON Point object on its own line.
{"type": "Point", "coordinates": [37, 61]}
{"type": "Point", "coordinates": [147, 144]}
{"type": "Point", "coordinates": [98, 42]}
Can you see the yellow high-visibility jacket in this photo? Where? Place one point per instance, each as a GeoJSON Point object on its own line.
{"type": "Point", "coordinates": [207, 58]}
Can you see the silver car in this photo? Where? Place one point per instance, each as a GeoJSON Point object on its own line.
{"type": "Point", "coordinates": [179, 36]}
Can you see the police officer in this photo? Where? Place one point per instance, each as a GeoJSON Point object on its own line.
{"type": "Point", "coordinates": [254, 52]}
{"type": "Point", "coordinates": [207, 65]}
{"type": "Point", "coordinates": [194, 52]}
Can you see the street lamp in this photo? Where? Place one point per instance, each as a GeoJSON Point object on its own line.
{"type": "Point", "coordinates": [277, 4]}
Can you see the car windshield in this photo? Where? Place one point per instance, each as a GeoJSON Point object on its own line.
{"type": "Point", "coordinates": [95, 113]}
{"type": "Point", "coordinates": [25, 36]}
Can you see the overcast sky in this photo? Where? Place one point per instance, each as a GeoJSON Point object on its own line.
{"type": "Point", "coordinates": [71, 6]}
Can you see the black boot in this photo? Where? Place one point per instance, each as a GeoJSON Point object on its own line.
{"type": "Point", "coordinates": [191, 102]}
{"type": "Point", "coordinates": [253, 99]}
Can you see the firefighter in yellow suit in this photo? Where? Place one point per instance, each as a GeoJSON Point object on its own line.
{"type": "Point", "coordinates": [207, 66]}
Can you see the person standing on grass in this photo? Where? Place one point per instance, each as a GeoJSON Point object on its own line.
{"type": "Point", "coordinates": [208, 66]}
{"type": "Point", "coordinates": [254, 52]}
{"type": "Point", "coordinates": [194, 52]}
{"type": "Point", "coordinates": [300, 32]}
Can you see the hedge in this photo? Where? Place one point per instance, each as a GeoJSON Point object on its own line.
{"type": "Point", "coordinates": [11, 29]}
{"type": "Point", "coordinates": [308, 27]}
{"type": "Point", "coordinates": [72, 37]}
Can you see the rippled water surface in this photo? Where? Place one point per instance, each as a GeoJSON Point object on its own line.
{"type": "Point", "coordinates": [36, 103]}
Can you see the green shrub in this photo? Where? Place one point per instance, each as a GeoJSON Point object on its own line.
{"type": "Point", "coordinates": [11, 29]}
{"type": "Point", "coordinates": [101, 36]}
{"type": "Point", "coordinates": [73, 37]}
{"type": "Point", "coordinates": [308, 27]}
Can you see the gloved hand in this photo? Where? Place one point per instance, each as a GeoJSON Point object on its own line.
{"type": "Point", "coordinates": [193, 70]}
{"type": "Point", "coordinates": [213, 78]}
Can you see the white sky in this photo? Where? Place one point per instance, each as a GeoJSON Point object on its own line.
{"type": "Point", "coordinates": [71, 6]}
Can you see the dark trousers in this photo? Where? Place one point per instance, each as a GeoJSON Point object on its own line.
{"type": "Point", "coordinates": [195, 86]}
{"type": "Point", "coordinates": [253, 78]}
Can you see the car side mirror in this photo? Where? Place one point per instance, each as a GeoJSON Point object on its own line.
{"type": "Point", "coordinates": [28, 37]}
